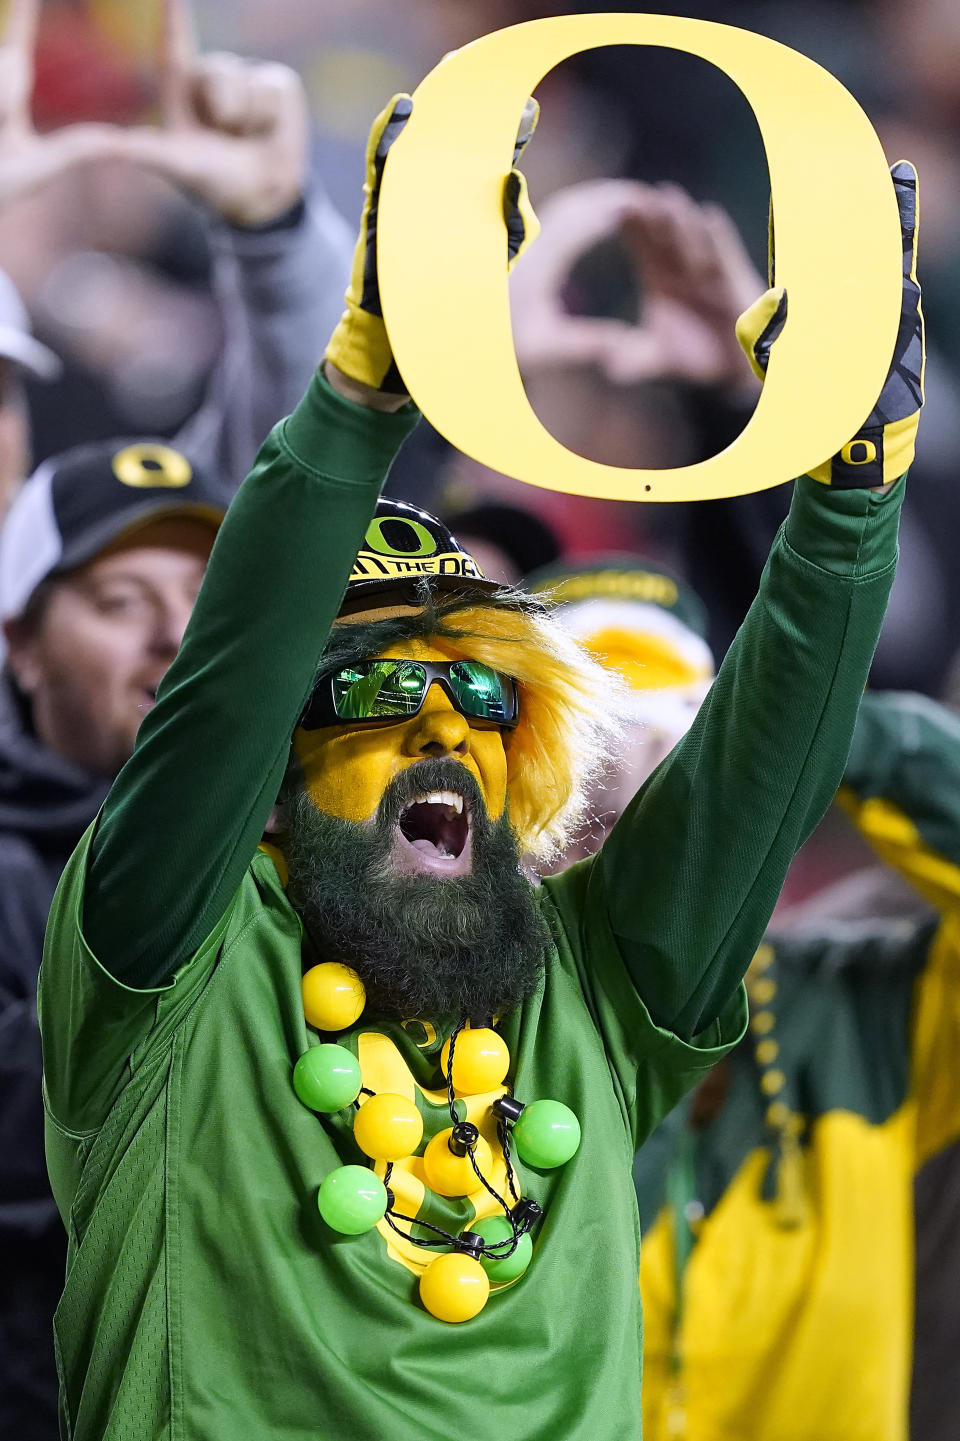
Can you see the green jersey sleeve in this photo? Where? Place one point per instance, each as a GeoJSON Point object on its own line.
{"type": "Point", "coordinates": [687, 880]}
{"type": "Point", "coordinates": [187, 811]}
{"type": "Point", "coordinates": [97, 1030]}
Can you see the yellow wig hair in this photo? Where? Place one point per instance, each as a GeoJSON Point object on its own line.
{"type": "Point", "coordinates": [571, 707]}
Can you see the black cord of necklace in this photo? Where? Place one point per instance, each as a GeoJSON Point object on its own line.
{"type": "Point", "coordinates": [503, 1136]}
{"type": "Point", "coordinates": [494, 1250]}
{"type": "Point", "coordinates": [500, 1200]}
{"type": "Point", "coordinates": [451, 1099]}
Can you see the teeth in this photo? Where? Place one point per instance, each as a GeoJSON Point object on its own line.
{"type": "Point", "coordinates": [440, 798]}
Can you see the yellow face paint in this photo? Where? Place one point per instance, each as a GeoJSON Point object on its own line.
{"type": "Point", "coordinates": [348, 768]}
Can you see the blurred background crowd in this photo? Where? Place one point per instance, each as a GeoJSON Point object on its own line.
{"type": "Point", "coordinates": [154, 307]}
{"type": "Point", "coordinates": [115, 266]}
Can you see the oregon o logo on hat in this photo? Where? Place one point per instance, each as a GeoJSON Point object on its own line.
{"type": "Point", "coordinates": [425, 543]}
{"type": "Point", "coordinates": [148, 465]}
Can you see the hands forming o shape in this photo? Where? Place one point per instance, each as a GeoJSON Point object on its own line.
{"type": "Point", "coordinates": [233, 132]}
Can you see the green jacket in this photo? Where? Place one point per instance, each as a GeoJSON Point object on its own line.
{"type": "Point", "coordinates": [801, 1185]}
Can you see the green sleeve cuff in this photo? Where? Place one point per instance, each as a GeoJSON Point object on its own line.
{"type": "Point", "coordinates": [703, 1051]}
{"type": "Point", "coordinates": [340, 440]}
{"type": "Point", "coordinates": [851, 533]}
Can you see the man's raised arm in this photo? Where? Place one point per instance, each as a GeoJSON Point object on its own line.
{"type": "Point", "coordinates": [688, 878]}
{"type": "Point", "coordinates": [188, 810]}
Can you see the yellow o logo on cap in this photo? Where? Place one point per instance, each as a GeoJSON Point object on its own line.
{"type": "Point", "coordinates": [145, 466]}
{"type": "Point", "coordinates": [443, 286]}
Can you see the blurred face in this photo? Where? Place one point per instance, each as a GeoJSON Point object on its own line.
{"type": "Point", "coordinates": [14, 433]}
{"type": "Point", "coordinates": [347, 771]}
{"type": "Point", "coordinates": [643, 748]}
{"type": "Point", "coordinates": [91, 662]}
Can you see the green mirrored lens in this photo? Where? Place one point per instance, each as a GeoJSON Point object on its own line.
{"type": "Point", "coordinates": [481, 691]}
{"type": "Point", "coordinates": [385, 689]}
{"type": "Point", "coordinates": [379, 688]}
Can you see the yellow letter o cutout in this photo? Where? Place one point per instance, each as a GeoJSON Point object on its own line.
{"type": "Point", "coordinates": [442, 257]}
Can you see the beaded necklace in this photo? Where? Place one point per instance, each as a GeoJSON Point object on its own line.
{"type": "Point", "coordinates": [388, 1128]}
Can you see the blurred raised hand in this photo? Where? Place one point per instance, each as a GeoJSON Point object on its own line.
{"type": "Point", "coordinates": [29, 160]}
{"type": "Point", "coordinates": [233, 132]}
{"type": "Point", "coordinates": [693, 273]}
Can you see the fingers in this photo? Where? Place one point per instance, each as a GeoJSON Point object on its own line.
{"type": "Point", "coordinates": [16, 85]}
{"type": "Point", "coordinates": [383, 132]}
{"type": "Point", "coordinates": [387, 127]}
{"type": "Point", "coordinates": [731, 255]}
{"type": "Point", "coordinates": [223, 92]}
{"type": "Point", "coordinates": [760, 325]}
{"type": "Point", "coordinates": [528, 124]}
{"type": "Point", "coordinates": [638, 357]}
{"type": "Point", "coordinates": [519, 216]}
{"type": "Point", "coordinates": [16, 63]}
{"type": "Point", "coordinates": [555, 342]}
{"type": "Point", "coordinates": [674, 243]}
{"type": "Point", "coordinates": [575, 219]}
{"type": "Point", "coordinates": [20, 31]}
{"type": "Point", "coordinates": [41, 160]}
{"type": "Point", "coordinates": [277, 97]}
{"type": "Point", "coordinates": [691, 253]}
{"type": "Point", "coordinates": [904, 177]}
{"type": "Point", "coordinates": [178, 63]}
{"type": "Point", "coordinates": [242, 97]}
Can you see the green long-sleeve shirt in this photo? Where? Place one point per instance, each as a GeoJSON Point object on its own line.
{"type": "Point", "coordinates": [204, 1295]}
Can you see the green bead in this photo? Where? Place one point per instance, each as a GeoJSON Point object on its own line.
{"type": "Point", "coordinates": [547, 1134]}
{"type": "Point", "coordinates": [505, 1267]}
{"type": "Point", "coordinates": [352, 1200]}
{"type": "Point", "coordinates": [327, 1078]}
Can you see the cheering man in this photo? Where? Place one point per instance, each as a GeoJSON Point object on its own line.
{"type": "Point", "coordinates": [379, 1013]}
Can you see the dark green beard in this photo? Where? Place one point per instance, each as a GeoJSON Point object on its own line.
{"type": "Point", "coordinates": [423, 946]}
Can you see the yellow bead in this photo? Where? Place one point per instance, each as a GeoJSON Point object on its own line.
{"type": "Point", "coordinates": [388, 1127]}
{"type": "Point", "coordinates": [762, 1023]}
{"type": "Point", "coordinates": [762, 991]}
{"type": "Point", "coordinates": [480, 1061]}
{"type": "Point", "coordinates": [333, 996]}
{"type": "Point", "coordinates": [771, 1082]}
{"type": "Point", "coordinates": [767, 1052]}
{"type": "Point", "coordinates": [454, 1287]}
{"type": "Point", "coordinates": [451, 1175]}
{"type": "Point", "coordinates": [778, 1114]}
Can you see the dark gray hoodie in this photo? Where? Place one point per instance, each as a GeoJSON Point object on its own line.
{"type": "Point", "coordinates": [45, 806]}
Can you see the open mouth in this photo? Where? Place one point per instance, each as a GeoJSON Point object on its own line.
{"type": "Point", "coordinates": [436, 827]}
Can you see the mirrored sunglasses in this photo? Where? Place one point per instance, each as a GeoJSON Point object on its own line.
{"type": "Point", "coordinates": [391, 690]}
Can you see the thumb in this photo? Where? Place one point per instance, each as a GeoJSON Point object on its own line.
{"type": "Point", "coordinates": [904, 177]}
{"type": "Point", "coordinates": [760, 325]}
{"type": "Point", "coordinates": [161, 150]}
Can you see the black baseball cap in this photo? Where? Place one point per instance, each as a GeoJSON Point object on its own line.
{"type": "Point", "coordinates": [402, 547]}
{"type": "Point", "coordinates": [79, 502]}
